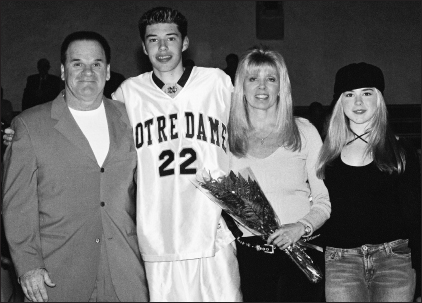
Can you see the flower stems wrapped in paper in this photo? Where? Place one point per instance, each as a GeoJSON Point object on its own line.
{"type": "Point", "coordinates": [246, 203]}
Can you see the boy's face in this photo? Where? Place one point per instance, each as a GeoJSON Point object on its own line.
{"type": "Point", "coordinates": [164, 46]}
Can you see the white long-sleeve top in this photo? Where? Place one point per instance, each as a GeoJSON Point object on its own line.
{"type": "Point", "coordinates": [288, 180]}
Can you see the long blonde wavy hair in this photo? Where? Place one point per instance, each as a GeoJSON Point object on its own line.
{"type": "Point", "coordinates": [239, 125]}
{"type": "Point", "coordinates": [386, 152]}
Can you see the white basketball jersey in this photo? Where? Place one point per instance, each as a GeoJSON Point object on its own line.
{"type": "Point", "coordinates": [174, 138]}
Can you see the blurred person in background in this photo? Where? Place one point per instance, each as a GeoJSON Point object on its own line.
{"type": "Point", "coordinates": [42, 87]}
{"type": "Point", "coordinates": [232, 60]}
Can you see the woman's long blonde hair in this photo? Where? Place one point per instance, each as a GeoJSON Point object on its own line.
{"type": "Point", "coordinates": [386, 151]}
{"type": "Point", "coordinates": [239, 125]}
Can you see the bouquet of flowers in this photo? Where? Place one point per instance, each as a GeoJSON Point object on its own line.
{"type": "Point", "coordinates": [246, 203]}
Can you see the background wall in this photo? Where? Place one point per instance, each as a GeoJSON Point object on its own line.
{"type": "Point", "coordinates": [319, 38]}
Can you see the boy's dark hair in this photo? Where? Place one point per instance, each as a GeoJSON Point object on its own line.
{"type": "Point", "coordinates": [81, 36]}
{"type": "Point", "coordinates": [163, 15]}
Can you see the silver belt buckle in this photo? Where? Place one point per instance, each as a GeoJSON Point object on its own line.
{"type": "Point", "coordinates": [266, 248]}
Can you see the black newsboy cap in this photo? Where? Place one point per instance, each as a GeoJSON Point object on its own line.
{"type": "Point", "coordinates": [358, 75]}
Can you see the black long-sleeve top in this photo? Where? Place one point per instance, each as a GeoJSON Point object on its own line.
{"type": "Point", "coordinates": [372, 207]}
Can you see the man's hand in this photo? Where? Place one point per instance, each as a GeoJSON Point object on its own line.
{"type": "Point", "coordinates": [33, 286]}
{"type": "Point", "coordinates": [8, 136]}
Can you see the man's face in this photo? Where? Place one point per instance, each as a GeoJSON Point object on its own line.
{"type": "Point", "coordinates": [164, 46]}
{"type": "Point", "coordinates": [86, 70]}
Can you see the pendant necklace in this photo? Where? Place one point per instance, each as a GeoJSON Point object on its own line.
{"type": "Point", "coordinates": [262, 139]}
{"type": "Point", "coordinates": [172, 89]}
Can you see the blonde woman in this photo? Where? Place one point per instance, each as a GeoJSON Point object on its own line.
{"type": "Point", "coordinates": [373, 178]}
{"type": "Point", "coordinates": [281, 151]}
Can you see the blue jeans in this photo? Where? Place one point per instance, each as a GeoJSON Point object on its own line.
{"type": "Point", "coordinates": [370, 273]}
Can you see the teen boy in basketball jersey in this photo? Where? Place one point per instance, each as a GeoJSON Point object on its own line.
{"type": "Point", "coordinates": [179, 117]}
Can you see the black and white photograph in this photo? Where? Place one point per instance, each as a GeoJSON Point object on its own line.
{"type": "Point", "coordinates": [210, 151]}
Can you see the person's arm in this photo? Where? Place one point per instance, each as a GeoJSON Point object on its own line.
{"type": "Point", "coordinates": [320, 205]}
{"type": "Point", "coordinates": [20, 213]}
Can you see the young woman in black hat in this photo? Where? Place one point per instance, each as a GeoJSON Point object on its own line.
{"type": "Point", "coordinates": [373, 178]}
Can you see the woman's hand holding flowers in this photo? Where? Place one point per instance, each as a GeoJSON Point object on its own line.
{"type": "Point", "coordinates": [286, 235]}
{"type": "Point", "coordinates": [244, 200]}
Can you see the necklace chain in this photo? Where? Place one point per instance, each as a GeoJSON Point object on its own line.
{"type": "Point", "coordinates": [263, 139]}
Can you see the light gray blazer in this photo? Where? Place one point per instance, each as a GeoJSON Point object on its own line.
{"type": "Point", "coordinates": [57, 202]}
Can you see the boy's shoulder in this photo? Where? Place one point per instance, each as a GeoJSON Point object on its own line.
{"type": "Point", "coordinates": [211, 74]}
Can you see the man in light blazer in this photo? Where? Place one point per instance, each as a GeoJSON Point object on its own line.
{"type": "Point", "coordinates": [69, 191]}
